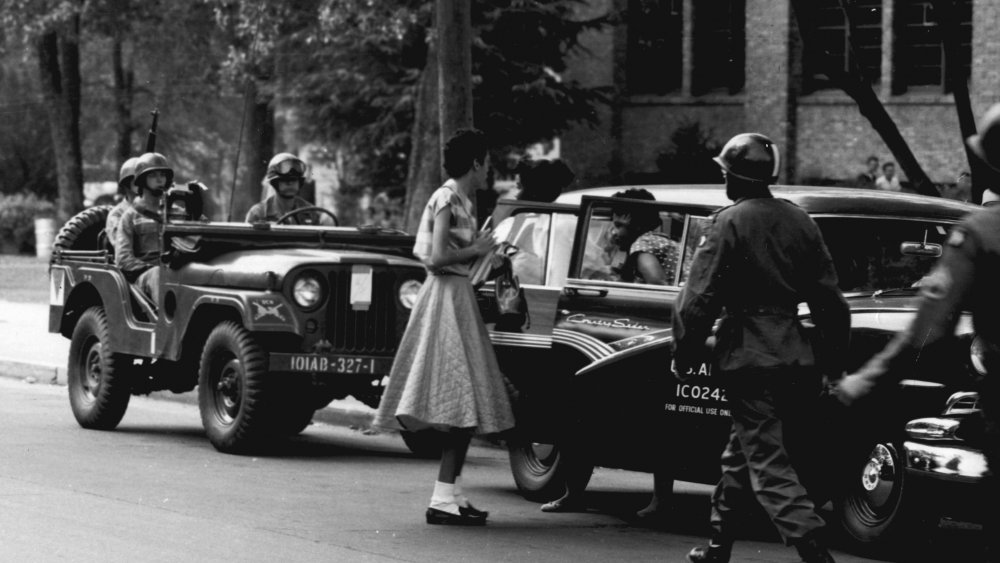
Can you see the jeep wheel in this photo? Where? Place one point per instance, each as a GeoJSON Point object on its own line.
{"type": "Point", "coordinates": [425, 443]}
{"type": "Point", "coordinates": [880, 509]}
{"type": "Point", "coordinates": [541, 471]}
{"type": "Point", "coordinates": [232, 390]}
{"type": "Point", "coordinates": [98, 378]}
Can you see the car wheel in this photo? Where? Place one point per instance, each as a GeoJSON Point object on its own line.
{"type": "Point", "coordinates": [879, 508]}
{"type": "Point", "coordinates": [233, 390]}
{"type": "Point", "coordinates": [425, 443]}
{"type": "Point", "coordinates": [541, 471]}
{"type": "Point", "coordinates": [98, 378]}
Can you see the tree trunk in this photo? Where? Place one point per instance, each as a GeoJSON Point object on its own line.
{"type": "Point", "coordinates": [424, 173]}
{"type": "Point", "coordinates": [454, 25]}
{"type": "Point", "coordinates": [258, 142]}
{"type": "Point", "coordinates": [854, 85]}
{"type": "Point", "coordinates": [59, 72]}
{"type": "Point", "coordinates": [945, 13]}
{"type": "Point", "coordinates": [123, 81]}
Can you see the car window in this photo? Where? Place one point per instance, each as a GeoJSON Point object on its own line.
{"type": "Point", "coordinates": [872, 254]}
{"type": "Point", "coordinates": [528, 233]}
{"type": "Point", "coordinates": [643, 247]}
{"type": "Point", "coordinates": [561, 248]}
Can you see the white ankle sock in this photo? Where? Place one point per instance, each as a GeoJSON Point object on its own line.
{"type": "Point", "coordinates": [460, 498]}
{"type": "Point", "coordinates": [444, 497]}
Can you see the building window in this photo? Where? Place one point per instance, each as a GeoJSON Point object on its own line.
{"type": "Point", "coordinates": [834, 36]}
{"type": "Point", "coordinates": [919, 60]}
{"type": "Point", "coordinates": [719, 43]}
{"type": "Point", "coordinates": [654, 63]}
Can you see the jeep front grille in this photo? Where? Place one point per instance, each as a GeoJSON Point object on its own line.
{"type": "Point", "coordinates": [363, 332]}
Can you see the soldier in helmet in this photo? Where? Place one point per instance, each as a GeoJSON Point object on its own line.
{"type": "Point", "coordinates": [286, 173]}
{"type": "Point", "coordinates": [762, 257]}
{"type": "Point", "coordinates": [126, 193]}
{"type": "Point", "coordinates": [965, 278]}
{"type": "Point", "coordinates": [137, 239]}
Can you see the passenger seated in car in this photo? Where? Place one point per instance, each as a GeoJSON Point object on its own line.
{"type": "Point", "coordinates": [126, 191]}
{"type": "Point", "coordinates": [286, 173]}
{"type": "Point", "coordinates": [637, 253]}
{"type": "Point", "coordinates": [137, 239]}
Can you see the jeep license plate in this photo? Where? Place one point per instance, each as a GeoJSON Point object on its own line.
{"type": "Point", "coordinates": [365, 365]}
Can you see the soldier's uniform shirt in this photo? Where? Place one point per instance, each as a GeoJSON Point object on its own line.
{"type": "Point", "coordinates": [967, 277]}
{"type": "Point", "coordinates": [115, 217]}
{"type": "Point", "coordinates": [138, 246]}
{"type": "Point", "coordinates": [268, 210]}
{"type": "Point", "coordinates": [761, 257]}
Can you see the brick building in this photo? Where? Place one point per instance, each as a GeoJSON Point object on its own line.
{"type": "Point", "coordinates": [738, 65]}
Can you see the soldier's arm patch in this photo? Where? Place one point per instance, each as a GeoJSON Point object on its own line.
{"type": "Point", "coordinates": [937, 284]}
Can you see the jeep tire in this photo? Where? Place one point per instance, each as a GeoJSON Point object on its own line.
{"type": "Point", "coordinates": [98, 378]}
{"type": "Point", "coordinates": [237, 408]}
{"type": "Point", "coordinates": [83, 230]}
{"type": "Point", "coordinates": [541, 472]}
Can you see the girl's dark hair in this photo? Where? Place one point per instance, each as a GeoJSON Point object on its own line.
{"type": "Point", "coordinates": [544, 180]}
{"type": "Point", "coordinates": [462, 149]}
{"type": "Point", "coordinates": [645, 218]}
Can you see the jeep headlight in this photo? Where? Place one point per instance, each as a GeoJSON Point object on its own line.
{"type": "Point", "coordinates": [307, 290]}
{"type": "Point", "coordinates": [977, 354]}
{"type": "Point", "coordinates": [408, 291]}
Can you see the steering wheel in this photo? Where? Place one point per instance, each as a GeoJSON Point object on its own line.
{"type": "Point", "coordinates": [313, 208]}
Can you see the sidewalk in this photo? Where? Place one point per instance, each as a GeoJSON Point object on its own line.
{"type": "Point", "coordinates": [29, 351]}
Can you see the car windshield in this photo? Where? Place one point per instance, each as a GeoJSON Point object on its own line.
{"type": "Point", "coordinates": [873, 254]}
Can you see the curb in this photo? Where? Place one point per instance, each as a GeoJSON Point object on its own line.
{"type": "Point", "coordinates": [333, 415]}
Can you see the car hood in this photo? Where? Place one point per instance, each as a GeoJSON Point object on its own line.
{"type": "Point", "coordinates": [254, 268]}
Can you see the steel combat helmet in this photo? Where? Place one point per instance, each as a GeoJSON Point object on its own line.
{"type": "Point", "coordinates": [150, 162]}
{"type": "Point", "coordinates": [750, 156]}
{"type": "Point", "coordinates": [986, 143]}
{"type": "Point", "coordinates": [126, 175]}
{"type": "Point", "coordinates": [285, 166]}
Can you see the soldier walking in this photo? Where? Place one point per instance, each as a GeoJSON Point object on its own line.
{"type": "Point", "coordinates": [762, 257]}
{"type": "Point", "coordinates": [965, 278]}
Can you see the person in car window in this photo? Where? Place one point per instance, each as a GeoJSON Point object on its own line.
{"type": "Point", "coordinates": [759, 260]}
{"type": "Point", "coordinates": [541, 181]}
{"type": "Point", "coordinates": [445, 375]}
{"type": "Point", "coordinates": [286, 173]}
{"type": "Point", "coordinates": [137, 238]}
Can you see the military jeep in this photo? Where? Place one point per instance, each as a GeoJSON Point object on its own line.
{"type": "Point", "coordinates": [268, 321]}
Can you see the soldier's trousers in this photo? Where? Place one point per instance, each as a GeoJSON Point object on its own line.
{"type": "Point", "coordinates": [756, 465]}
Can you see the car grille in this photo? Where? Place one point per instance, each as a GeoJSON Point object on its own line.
{"type": "Point", "coordinates": [363, 332]}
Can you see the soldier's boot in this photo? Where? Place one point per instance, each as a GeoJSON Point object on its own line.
{"type": "Point", "coordinates": [715, 552]}
{"type": "Point", "coordinates": [812, 550]}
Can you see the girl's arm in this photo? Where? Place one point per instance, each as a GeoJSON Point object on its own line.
{"type": "Point", "coordinates": [442, 255]}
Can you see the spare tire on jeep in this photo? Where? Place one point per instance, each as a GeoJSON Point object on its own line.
{"type": "Point", "coordinates": [83, 230]}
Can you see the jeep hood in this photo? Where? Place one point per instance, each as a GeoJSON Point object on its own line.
{"type": "Point", "coordinates": [253, 268]}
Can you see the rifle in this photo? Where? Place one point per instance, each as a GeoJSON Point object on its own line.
{"type": "Point", "coordinates": [151, 135]}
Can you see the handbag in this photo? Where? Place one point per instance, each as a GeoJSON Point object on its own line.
{"type": "Point", "coordinates": [511, 306]}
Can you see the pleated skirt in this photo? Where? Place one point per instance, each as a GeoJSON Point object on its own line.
{"type": "Point", "coordinates": [445, 375]}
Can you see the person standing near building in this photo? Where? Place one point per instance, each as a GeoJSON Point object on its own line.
{"type": "Point", "coordinates": [866, 179]}
{"type": "Point", "coordinates": [888, 181]}
{"type": "Point", "coordinates": [762, 257]}
{"type": "Point", "coordinates": [965, 278]}
{"type": "Point", "coordinates": [445, 375]}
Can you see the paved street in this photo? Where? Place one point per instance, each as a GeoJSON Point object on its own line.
{"type": "Point", "coordinates": [155, 490]}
